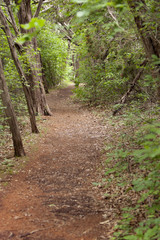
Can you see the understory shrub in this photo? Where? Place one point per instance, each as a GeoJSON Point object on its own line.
{"type": "Point", "coordinates": [134, 164]}
{"type": "Point", "coordinates": [54, 52]}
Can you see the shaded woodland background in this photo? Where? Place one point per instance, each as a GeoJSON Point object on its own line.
{"type": "Point", "coordinates": [111, 51]}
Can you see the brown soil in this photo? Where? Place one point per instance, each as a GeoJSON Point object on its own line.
{"type": "Point", "coordinates": [53, 197]}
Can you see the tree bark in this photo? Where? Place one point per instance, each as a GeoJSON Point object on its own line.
{"type": "Point", "coordinates": [42, 105]}
{"type": "Point", "coordinates": [27, 90]}
{"type": "Point", "coordinates": [44, 77]}
{"type": "Point", "coordinates": [150, 42]}
{"type": "Point", "coordinates": [36, 80]}
{"type": "Point", "coordinates": [8, 4]}
{"type": "Point", "coordinates": [11, 116]}
{"type": "Point", "coordinates": [38, 8]}
{"type": "Point", "coordinates": [152, 47]}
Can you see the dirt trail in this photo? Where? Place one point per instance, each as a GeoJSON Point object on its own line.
{"type": "Point", "coordinates": [53, 197]}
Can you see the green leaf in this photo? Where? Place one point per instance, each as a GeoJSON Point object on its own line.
{"type": "Point", "coordinates": [130, 237]}
{"type": "Point", "coordinates": [110, 171]}
{"type": "Point", "coordinates": [150, 233]}
{"type": "Point", "coordinates": [96, 184]}
{"type": "Point", "coordinates": [82, 13]}
{"type": "Point", "coordinates": [34, 23]}
{"type": "Point", "coordinates": [24, 38]}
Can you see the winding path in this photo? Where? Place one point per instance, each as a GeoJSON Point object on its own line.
{"type": "Point", "coordinates": [53, 197]}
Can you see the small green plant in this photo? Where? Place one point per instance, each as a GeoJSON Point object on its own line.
{"type": "Point", "coordinates": [133, 164]}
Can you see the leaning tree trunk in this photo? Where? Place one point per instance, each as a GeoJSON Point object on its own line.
{"type": "Point", "coordinates": [130, 89]}
{"type": "Point", "coordinates": [44, 77]}
{"type": "Point", "coordinates": [150, 42]}
{"type": "Point", "coordinates": [26, 89]}
{"type": "Point", "coordinates": [36, 79]}
{"type": "Point", "coordinates": [42, 104]}
{"type": "Point", "coordinates": [11, 116]}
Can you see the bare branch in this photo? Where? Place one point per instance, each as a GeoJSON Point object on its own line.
{"type": "Point", "coordinates": [38, 8]}
{"type": "Point", "coordinates": [133, 84]}
{"type": "Point", "coordinates": [114, 17]}
{"type": "Point", "coordinates": [12, 22]}
{"type": "Point", "coordinates": [46, 9]}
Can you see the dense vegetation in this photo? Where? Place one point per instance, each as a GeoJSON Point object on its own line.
{"type": "Point", "coordinates": [111, 51]}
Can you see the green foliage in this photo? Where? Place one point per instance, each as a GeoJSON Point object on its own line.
{"type": "Point", "coordinates": [109, 54]}
{"type": "Point", "coordinates": [93, 6]}
{"type": "Point", "coordinates": [15, 90]}
{"type": "Point", "coordinates": [137, 158]}
{"type": "Point", "coordinates": [15, 87]}
{"type": "Point", "coordinates": [35, 24]}
{"type": "Point", "coordinates": [54, 55]}
{"type": "Point", "coordinates": [106, 78]}
{"type": "Point", "coordinates": [109, 25]}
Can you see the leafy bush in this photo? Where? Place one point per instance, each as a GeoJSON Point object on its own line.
{"type": "Point", "coordinates": [54, 55]}
{"type": "Point", "coordinates": [134, 164]}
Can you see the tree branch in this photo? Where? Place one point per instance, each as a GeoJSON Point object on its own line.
{"type": "Point", "coordinates": [110, 11]}
{"type": "Point", "coordinates": [12, 22]}
{"type": "Point", "coordinates": [46, 9]}
{"type": "Point", "coordinates": [107, 50]}
{"type": "Point", "coordinates": [124, 98]}
{"type": "Point", "coordinates": [38, 8]}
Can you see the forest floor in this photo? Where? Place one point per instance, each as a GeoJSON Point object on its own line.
{"type": "Point", "coordinates": [53, 197]}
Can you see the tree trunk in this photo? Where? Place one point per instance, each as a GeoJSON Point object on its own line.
{"type": "Point", "coordinates": [11, 116]}
{"type": "Point", "coordinates": [26, 89]}
{"type": "Point", "coordinates": [150, 42]}
{"type": "Point", "coordinates": [151, 45]}
{"type": "Point", "coordinates": [36, 79]}
{"type": "Point", "coordinates": [8, 4]}
{"type": "Point", "coordinates": [42, 103]}
{"type": "Point", "coordinates": [44, 77]}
